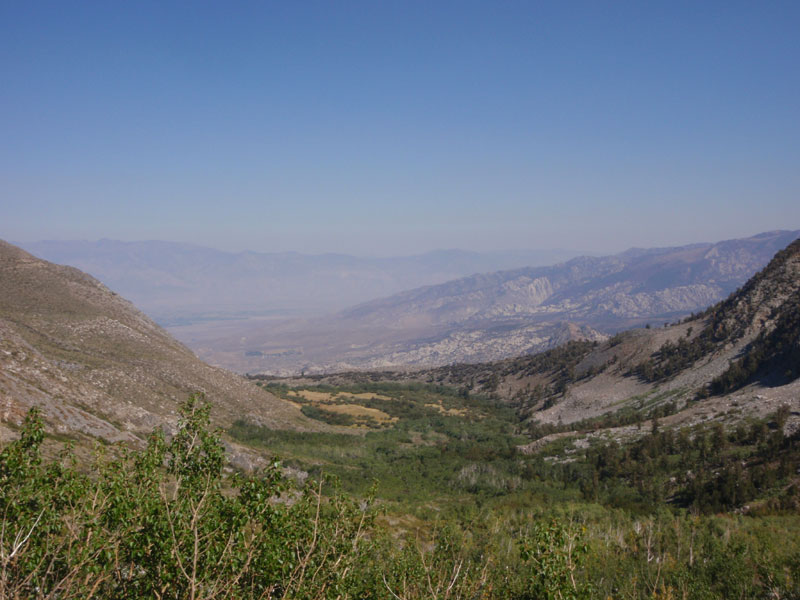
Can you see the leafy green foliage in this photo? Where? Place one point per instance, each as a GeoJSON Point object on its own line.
{"type": "Point", "coordinates": [170, 521]}
{"type": "Point", "coordinates": [553, 552]}
{"type": "Point", "coordinates": [166, 523]}
{"type": "Point", "coordinates": [415, 462]}
{"type": "Point", "coordinates": [709, 470]}
{"type": "Point", "coordinates": [440, 445]}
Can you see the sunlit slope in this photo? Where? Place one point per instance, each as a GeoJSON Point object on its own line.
{"type": "Point", "coordinates": [96, 365]}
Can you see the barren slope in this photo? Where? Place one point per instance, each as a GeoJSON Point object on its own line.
{"type": "Point", "coordinates": [98, 366]}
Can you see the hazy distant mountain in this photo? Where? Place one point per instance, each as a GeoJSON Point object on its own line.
{"type": "Point", "coordinates": [495, 315]}
{"type": "Point", "coordinates": [738, 359]}
{"type": "Point", "coordinates": [637, 284]}
{"type": "Point", "coordinates": [96, 366]}
{"type": "Point", "coordinates": [175, 282]}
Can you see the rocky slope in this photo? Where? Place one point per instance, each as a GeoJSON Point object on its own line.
{"type": "Point", "coordinates": [96, 366]}
{"type": "Point", "coordinates": [501, 314]}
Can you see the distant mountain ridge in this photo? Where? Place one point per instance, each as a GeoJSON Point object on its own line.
{"type": "Point", "coordinates": [495, 315]}
{"type": "Point", "coordinates": [175, 282]}
{"type": "Point", "coordinates": [631, 285]}
{"type": "Point", "coordinates": [739, 358]}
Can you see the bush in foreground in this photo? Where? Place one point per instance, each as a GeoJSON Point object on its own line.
{"type": "Point", "coordinates": [166, 522]}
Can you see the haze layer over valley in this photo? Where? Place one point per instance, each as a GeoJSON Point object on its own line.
{"type": "Point", "coordinates": [178, 283]}
{"type": "Point", "coordinates": [496, 315]}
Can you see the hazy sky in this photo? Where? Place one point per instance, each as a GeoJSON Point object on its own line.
{"type": "Point", "coordinates": [395, 127]}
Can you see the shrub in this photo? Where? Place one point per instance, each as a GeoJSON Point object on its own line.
{"type": "Point", "coordinates": [166, 523]}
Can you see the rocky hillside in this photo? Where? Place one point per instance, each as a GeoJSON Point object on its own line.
{"type": "Point", "coordinates": [97, 366]}
{"type": "Point", "coordinates": [496, 315]}
{"type": "Point", "coordinates": [738, 358]}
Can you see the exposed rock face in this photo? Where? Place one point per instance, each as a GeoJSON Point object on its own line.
{"type": "Point", "coordinates": [473, 346]}
{"type": "Point", "coordinates": [97, 366]}
{"type": "Point", "coordinates": [495, 315]}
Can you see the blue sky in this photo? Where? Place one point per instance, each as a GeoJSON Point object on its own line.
{"type": "Point", "coordinates": [384, 128]}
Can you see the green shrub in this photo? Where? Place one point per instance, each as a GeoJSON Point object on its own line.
{"type": "Point", "coordinates": [166, 523]}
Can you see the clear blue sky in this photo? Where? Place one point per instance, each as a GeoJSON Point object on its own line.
{"type": "Point", "coordinates": [396, 127]}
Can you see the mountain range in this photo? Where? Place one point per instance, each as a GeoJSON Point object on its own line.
{"type": "Point", "coordinates": [645, 433]}
{"type": "Point", "coordinates": [99, 368]}
{"type": "Point", "coordinates": [738, 359]}
{"type": "Point", "coordinates": [178, 283]}
{"type": "Point", "coordinates": [500, 314]}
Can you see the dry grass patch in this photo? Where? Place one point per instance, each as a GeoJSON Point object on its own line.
{"type": "Point", "coordinates": [312, 396]}
{"type": "Point", "coordinates": [355, 410]}
{"type": "Point", "coordinates": [335, 397]}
